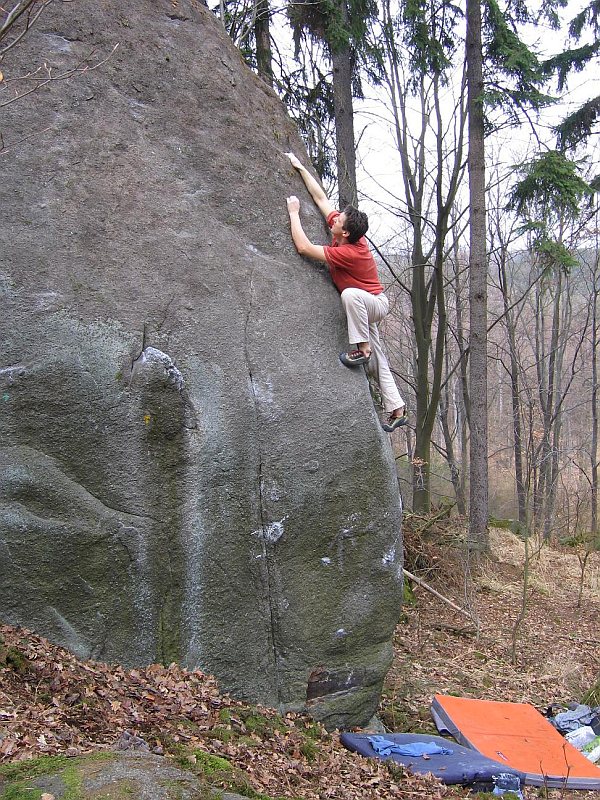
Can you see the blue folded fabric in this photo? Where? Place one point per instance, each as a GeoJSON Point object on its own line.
{"type": "Point", "coordinates": [383, 747]}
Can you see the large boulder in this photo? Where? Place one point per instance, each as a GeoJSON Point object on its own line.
{"type": "Point", "coordinates": [187, 472]}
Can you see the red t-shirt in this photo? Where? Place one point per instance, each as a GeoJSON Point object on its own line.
{"type": "Point", "coordinates": [352, 265]}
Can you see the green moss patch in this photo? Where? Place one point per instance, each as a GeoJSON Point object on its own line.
{"type": "Point", "coordinates": [20, 792]}
{"type": "Point", "coordinates": [33, 768]}
{"type": "Point", "coordinates": [246, 723]}
{"type": "Point", "coordinates": [211, 764]}
{"type": "Point", "coordinates": [592, 697]}
{"type": "Point", "coordinates": [12, 658]}
{"type": "Point", "coordinates": [16, 779]}
{"type": "Point", "coordinates": [202, 763]}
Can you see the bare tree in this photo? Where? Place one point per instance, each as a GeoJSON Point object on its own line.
{"type": "Point", "coordinates": [510, 322]}
{"type": "Point", "coordinates": [478, 506]}
{"type": "Point", "coordinates": [430, 145]}
{"type": "Point", "coordinates": [595, 334]}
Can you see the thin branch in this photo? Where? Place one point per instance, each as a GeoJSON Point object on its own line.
{"type": "Point", "coordinates": [28, 26]}
{"type": "Point", "coordinates": [429, 588]}
{"type": "Point", "coordinates": [12, 146]}
{"type": "Point", "coordinates": [388, 265]}
{"type": "Point", "coordinates": [43, 81]}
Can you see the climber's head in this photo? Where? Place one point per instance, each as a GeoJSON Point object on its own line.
{"type": "Point", "coordinates": [355, 223]}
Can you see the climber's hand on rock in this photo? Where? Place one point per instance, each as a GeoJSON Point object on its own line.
{"type": "Point", "coordinates": [295, 162]}
{"type": "Point", "coordinates": [293, 205]}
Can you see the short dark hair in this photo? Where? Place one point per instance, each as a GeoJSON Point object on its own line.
{"type": "Point", "coordinates": [356, 224]}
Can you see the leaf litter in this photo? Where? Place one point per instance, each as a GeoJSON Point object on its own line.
{"type": "Point", "coordinates": [54, 703]}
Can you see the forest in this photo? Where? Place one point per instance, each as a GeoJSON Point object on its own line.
{"type": "Point", "coordinates": [469, 133]}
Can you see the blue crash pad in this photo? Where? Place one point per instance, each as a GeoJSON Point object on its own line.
{"type": "Point", "coordinates": [462, 766]}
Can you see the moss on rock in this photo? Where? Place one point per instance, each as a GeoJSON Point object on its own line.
{"type": "Point", "coordinates": [106, 776]}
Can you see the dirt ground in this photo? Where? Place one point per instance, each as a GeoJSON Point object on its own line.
{"type": "Point", "coordinates": [539, 646]}
{"type": "Point", "coordinates": [52, 704]}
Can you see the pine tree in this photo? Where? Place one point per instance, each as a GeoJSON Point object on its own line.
{"type": "Point", "coordinates": [583, 122]}
{"type": "Point", "coordinates": [341, 26]}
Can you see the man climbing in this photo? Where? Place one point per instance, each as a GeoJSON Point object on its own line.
{"type": "Point", "coordinates": [354, 273]}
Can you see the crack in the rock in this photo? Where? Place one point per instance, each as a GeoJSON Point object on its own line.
{"type": "Point", "coordinates": [174, 376]}
{"type": "Point", "coordinates": [142, 348]}
{"type": "Point", "coordinates": [263, 521]}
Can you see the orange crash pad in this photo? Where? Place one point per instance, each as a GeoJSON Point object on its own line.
{"type": "Point", "coordinates": [517, 735]}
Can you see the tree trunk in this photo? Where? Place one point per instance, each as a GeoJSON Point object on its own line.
{"type": "Point", "coordinates": [478, 520]}
{"type": "Point", "coordinates": [462, 390]}
{"type": "Point", "coordinates": [515, 394]}
{"type": "Point", "coordinates": [548, 394]}
{"type": "Point", "coordinates": [553, 479]}
{"type": "Point", "coordinates": [455, 471]}
{"type": "Point", "coordinates": [594, 448]}
{"type": "Point", "coordinates": [262, 36]}
{"type": "Point", "coordinates": [341, 62]}
{"type": "Point", "coordinates": [422, 453]}
{"type": "Point", "coordinates": [538, 452]}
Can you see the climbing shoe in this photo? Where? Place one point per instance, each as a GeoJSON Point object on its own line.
{"type": "Point", "coordinates": [354, 358]}
{"type": "Point", "coordinates": [394, 422]}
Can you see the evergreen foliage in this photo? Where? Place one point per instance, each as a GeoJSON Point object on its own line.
{"type": "Point", "coordinates": [505, 51]}
{"type": "Point", "coordinates": [548, 12]}
{"type": "Point", "coordinates": [553, 255]}
{"type": "Point", "coordinates": [571, 60]}
{"type": "Point", "coordinates": [429, 34]}
{"type": "Point", "coordinates": [551, 188]}
{"type": "Point", "coordinates": [325, 21]}
{"type": "Point", "coordinates": [550, 193]}
{"type": "Point", "coordinates": [579, 125]}
{"type": "Point", "coordinates": [335, 27]}
{"type": "Point", "coordinates": [513, 72]}
{"type": "Point", "coordinates": [309, 101]}
{"type": "Point", "coordinates": [589, 17]}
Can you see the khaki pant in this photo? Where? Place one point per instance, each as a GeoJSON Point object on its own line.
{"type": "Point", "coordinates": [363, 311]}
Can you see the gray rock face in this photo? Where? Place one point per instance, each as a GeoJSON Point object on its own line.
{"type": "Point", "coordinates": [186, 470]}
{"type": "Point", "coordinates": [114, 776]}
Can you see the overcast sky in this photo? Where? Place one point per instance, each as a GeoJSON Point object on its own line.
{"type": "Point", "coordinates": [379, 175]}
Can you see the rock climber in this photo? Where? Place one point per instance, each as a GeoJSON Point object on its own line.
{"type": "Point", "coordinates": [354, 273]}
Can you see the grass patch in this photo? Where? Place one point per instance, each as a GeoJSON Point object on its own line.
{"type": "Point", "coordinates": [73, 783]}
{"type": "Point", "coordinates": [21, 792]}
{"type": "Point", "coordinates": [592, 697]}
{"type": "Point", "coordinates": [222, 733]}
{"type": "Point", "coordinates": [12, 658]}
{"type": "Point", "coordinates": [245, 724]}
{"type": "Point", "coordinates": [178, 788]}
{"type": "Point", "coordinates": [121, 790]}
{"type": "Point", "coordinates": [309, 750]}
{"type": "Point", "coordinates": [211, 765]}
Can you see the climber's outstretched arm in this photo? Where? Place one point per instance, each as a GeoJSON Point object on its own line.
{"type": "Point", "coordinates": [314, 187]}
{"type": "Point", "coordinates": [303, 244]}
